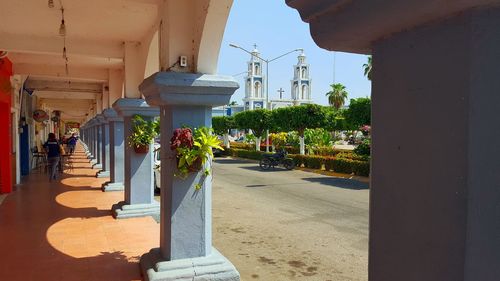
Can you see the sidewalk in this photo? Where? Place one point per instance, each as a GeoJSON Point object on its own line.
{"type": "Point", "coordinates": [64, 230]}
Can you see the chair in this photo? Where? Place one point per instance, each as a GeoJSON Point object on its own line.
{"type": "Point", "coordinates": [38, 159]}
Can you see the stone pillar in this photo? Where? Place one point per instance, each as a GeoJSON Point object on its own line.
{"type": "Point", "coordinates": [97, 164]}
{"type": "Point", "coordinates": [104, 127]}
{"type": "Point", "coordinates": [186, 212]}
{"type": "Point", "coordinates": [435, 181]}
{"type": "Point", "coordinates": [91, 142]}
{"type": "Point", "coordinates": [116, 151]}
{"type": "Point", "coordinates": [138, 180]}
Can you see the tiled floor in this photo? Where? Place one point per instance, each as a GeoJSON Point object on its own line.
{"type": "Point", "coordinates": [64, 230]}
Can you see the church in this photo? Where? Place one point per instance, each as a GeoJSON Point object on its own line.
{"type": "Point", "coordinates": [255, 95]}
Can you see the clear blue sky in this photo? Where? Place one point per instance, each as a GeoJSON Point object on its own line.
{"type": "Point", "coordinates": [277, 29]}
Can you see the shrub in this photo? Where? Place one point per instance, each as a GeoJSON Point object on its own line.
{"type": "Point", "coordinates": [329, 163]}
{"type": "Point", "coordinates": [241, 145]}
{"type": "Point", "coordinates": [292, 149]}
{"type": "Point", "coordinates": [314, 162]}
{"type": "Point", "coordinates": [298, 159]}
{"type": "Point", "coordinates": [363, 148]}
{"type": "Point", "coordinates": [325, 151]}
{"type": "Point", "coordinates": [242, 153]}
{"type": "Point", "coordinates": [348, 166]}
{"type": "Point", "coordinates": [361, 168]}
{"type": "Point", "coordinates": [352, 156]}
{"type": "Point", "coordinates": [342, 166]}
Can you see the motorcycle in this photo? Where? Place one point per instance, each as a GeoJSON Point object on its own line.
{"type": "Point", "coordinates": [275, 159]}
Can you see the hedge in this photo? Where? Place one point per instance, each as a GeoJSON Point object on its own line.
{"type": "Point", "coordinates": [243, 153]}
{"type": "Point", "coordinates": [346, 163]}
{"type": "Point", "coordinates": [242, 145]}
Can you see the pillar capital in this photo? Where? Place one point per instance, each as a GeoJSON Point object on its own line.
{"type": "Point", "coordinates": [131, 107]}
{"type": "Point", "coordinates": [111, 115]}
{"type": "Point", "coordinates": [173, 88]}
{"type": "Point", "coordinates": [100, 119]}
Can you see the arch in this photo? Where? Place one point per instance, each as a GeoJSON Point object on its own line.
{"type": "Point", "coordinates": [257, 89]}
{"type": "Point", "coordinates": [296, 91]}
{"type": "Point", "coordinates": [212, 33]}
{"type": "Point", "coordinates": [304, 92]}
{"type": "Point", "coordinates": [304, 72]}
{"type": "Point", "coordinates": [153, 57]}
{"type": "Point", "coordinates": [257, 69]}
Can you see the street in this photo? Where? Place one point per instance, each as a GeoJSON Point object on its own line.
{"type": "Point", "coordinates": [289, 225]}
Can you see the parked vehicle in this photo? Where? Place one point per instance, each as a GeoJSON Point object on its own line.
{"type": "Point", "coordinates": [275, 159]}
{"type": "Point", "coordinates": [157, 166]}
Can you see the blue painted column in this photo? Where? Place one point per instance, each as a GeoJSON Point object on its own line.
{"type": "Point", "coordinates": [138, 177]}
{"type": "Point", "coordinates": [97, 143]}
{"type": "Point", "coordinates": [104, 127]}
{"type": "Point", "coordinates": [116, 151]}
{"type": "Point", "coordinates": [186, 212]}
{"type": "Point", "coordinates": [90, 143]}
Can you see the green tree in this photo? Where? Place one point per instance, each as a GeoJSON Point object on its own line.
{"type": "Point", "coordinates": [359, 113]}
{"type": "Point", "coordinates": [222, 125]}
{"type": "Point", "coordinates": [337, 95]}
{"type": "Point", "coordinates": [367, 67]}
{"type": "Point", "coordinates": [256, 120]}
{"type": "Point", "coordinates": [299, 118]}
{"type": "Point", "coordinates": [335, 121]}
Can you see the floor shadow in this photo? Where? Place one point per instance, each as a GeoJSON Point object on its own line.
{"type": "Point", "coordinates": [257, 168]}
{"type": "Point", "coordinates": [231, 161]}
{"type": "Point", "coordinates": [339, 182]}
{"type": "Point", "coordinates": [30, 223]}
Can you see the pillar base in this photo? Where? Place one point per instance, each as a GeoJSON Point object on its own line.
{"type": "Point", "coordinates": [214, 267]}
{"type": "Point", "coordinates": [123, 210]}
{"type": "Point", "coordinates": [102, 174]}
{"type": "Point", "coordinates": [97, 166]}
{"type": "Point", "coordinates": [112, 186]}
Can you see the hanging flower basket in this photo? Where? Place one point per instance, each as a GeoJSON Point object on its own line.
{"type": "Point", "coordinates": [195, 166]}
{"type": "Point", "coordinates": [143, 134]}
{"type": "Point", "coordinates": [193, 150]}
{"type": "Point", "coordinates": [141, 148]}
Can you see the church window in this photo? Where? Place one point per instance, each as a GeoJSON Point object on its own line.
{"type": "Point", "coordinates": [304, 92]}
{"type": "Point", "coordinates": [257, 69]}
{"type": "Point", "coordinates": [304, 72]}
{"type": "Point", "coordinates": [257, 90]}
{"type": "Point", "coordinates": [295, 91]}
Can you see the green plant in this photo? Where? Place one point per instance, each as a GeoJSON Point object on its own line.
{"type": "Point", "coordinates": [363, 148]}
{"type": "Point", "coordinates": [358, 113]}
{"type": "Point", "coordinates": [278, 139]}
{"type": "Point", "coordinates": [299, 118]}
{"type": "Point", "coordinates": [193, 150]}
{"type": "Point", "coordinates": [367, 68]}
{"type": "Point", "coordinates": [143, 131]}
{"type": "Point", "coordinates": [337, 95]}
{"type": "Point", "coordinates": [314, 162]}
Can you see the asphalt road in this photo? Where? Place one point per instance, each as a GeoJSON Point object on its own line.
{"type": "Point", "coordinates": [290, 225]}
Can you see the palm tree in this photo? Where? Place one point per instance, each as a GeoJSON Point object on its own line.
{"type": "Point", "coordinates": [368, 68]}
{"type": "Point", "coordinates": [337, 96]}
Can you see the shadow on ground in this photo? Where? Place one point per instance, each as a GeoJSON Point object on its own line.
{"type": "Point", "coordinates": [231, 161]}
{"type": "Point", "coordinates": [339, 182]}
{"type": "Point", "coordinates": [257, 168]}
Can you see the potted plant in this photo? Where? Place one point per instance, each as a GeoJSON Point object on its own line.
{"type": "Point", "coordinates": [143, 133]}
{"type": "Point", "coordinates": [193, 150]}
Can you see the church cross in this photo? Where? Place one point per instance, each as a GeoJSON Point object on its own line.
{"type": "Point", "coordinates": [281, 91]}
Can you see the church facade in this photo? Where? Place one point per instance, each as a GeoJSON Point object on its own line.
{"type": "Point", "coordinates": [255, 94]}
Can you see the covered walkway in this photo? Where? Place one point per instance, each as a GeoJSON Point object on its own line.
{"type": "Point", "coordinates": [64, 230]}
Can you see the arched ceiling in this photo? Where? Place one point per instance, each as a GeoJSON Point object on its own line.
{"type": "Point", "coordinates": [95, 34]}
